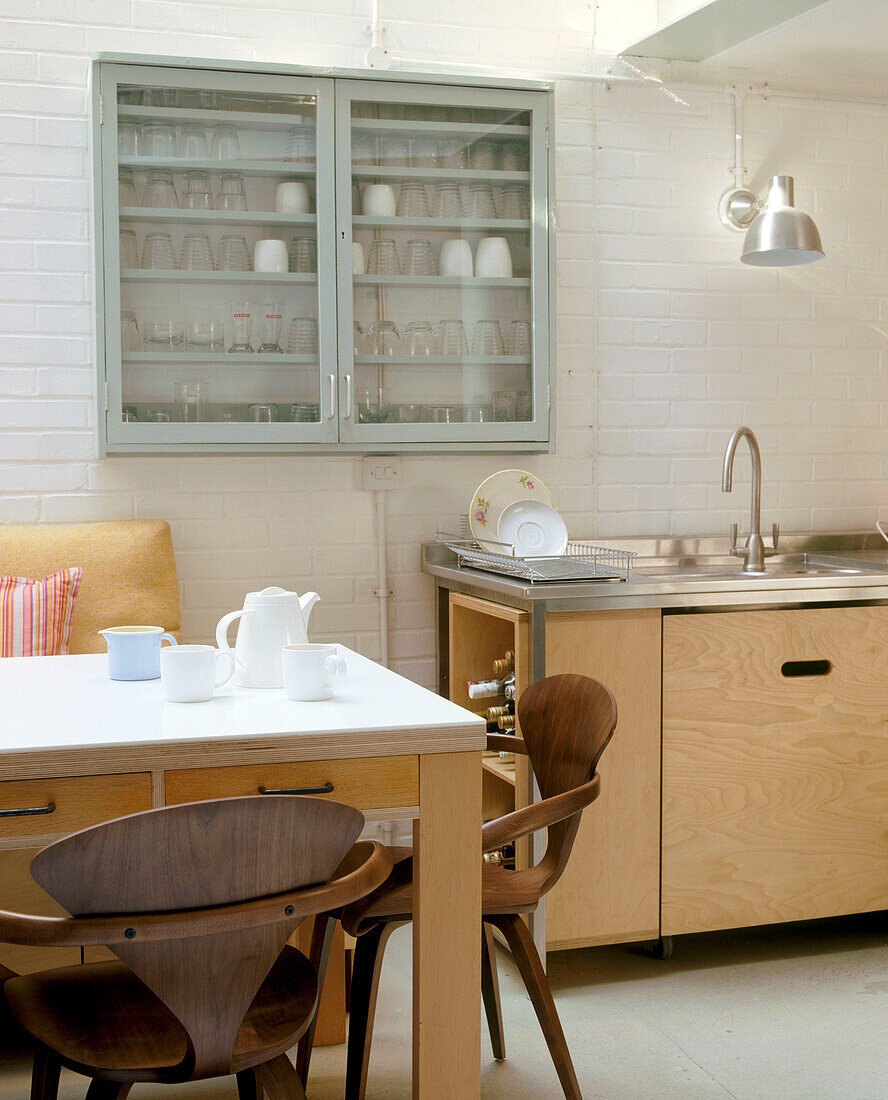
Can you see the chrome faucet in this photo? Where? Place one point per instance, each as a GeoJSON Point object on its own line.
{"type": "Point", "coordinates": [755, 550]}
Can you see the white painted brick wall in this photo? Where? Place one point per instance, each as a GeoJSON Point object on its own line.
{"type": "Point", "coordinates": [666, 342]}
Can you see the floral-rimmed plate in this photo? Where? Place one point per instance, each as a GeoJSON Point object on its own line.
{"type": "Point", "coordinates": [496, 493]}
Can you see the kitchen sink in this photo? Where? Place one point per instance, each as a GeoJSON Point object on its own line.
{"type": "Point", "coordinates": [730, 569]}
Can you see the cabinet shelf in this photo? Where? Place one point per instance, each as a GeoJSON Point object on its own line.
{"type": "Point", "coordinates": [470, 131]}
{"type": "Point", "coordinates": [140, 275]}
{"type": "Point", "coordinates": [285, 168]}
{"type": "Point", "coordinates": [247, 120]}
{"type": "Point", "coordinates": [443, 360]}
{"type": "Point", "coordinates": [502, 769]}
{"type": "Point", "coordinates": [214, 217]}
{"type": "Point", "coordinates": [366, 221]}
{"type": "Point", "coordinates": [416, 281]}
{"type": "Point", "coordinates": [219, 359]}
{"type": "Point", "coordinates": [432, 175]}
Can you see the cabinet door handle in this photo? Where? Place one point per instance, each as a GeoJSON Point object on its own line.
{"type": "Point", "coordinates": [348, 397]}
{"type": "Point", "coordinates": [326, 789]}
{"type": "Point", "coordinates": [806, 668]}
{"type": "Point", "coordinates": [29, 811]}
{"type": "Point", "coordinates": [332, 380]}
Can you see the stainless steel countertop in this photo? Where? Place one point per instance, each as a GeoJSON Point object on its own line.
{"type": "Point", "coordinates": [657, 581]}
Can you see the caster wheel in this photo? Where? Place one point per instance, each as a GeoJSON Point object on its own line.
{"type": "Point", "coordinates": [661, 948]}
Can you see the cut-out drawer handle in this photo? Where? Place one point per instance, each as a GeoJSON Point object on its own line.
{"type": "Point", "coordinates": [30, 811]}
{"type": "Point", "coordinates": [326, 789]}
{"type": "Point", "coordinates": [806, 668]}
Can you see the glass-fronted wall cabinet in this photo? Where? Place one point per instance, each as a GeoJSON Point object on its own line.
{"type": "Point", "coordinates": [320, 262]}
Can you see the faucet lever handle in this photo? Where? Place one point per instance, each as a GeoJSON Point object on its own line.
{"type": "Point", "coordinates": [775, 534]}
{"type": "Point", "coordinates": [733, 536]}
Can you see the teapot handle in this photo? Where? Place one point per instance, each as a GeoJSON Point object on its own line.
{"type": "Point", "coordinates": [222, 633]}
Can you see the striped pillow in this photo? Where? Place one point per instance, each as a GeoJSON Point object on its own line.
{"type": "Point", "coordinates": [35, 616]}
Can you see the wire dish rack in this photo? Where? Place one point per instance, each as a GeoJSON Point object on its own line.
{"type": "Point", "coordinates": [581, 561]}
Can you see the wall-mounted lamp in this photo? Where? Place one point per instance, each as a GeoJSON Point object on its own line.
{"type": "Point", "coordinates": [777, 235]}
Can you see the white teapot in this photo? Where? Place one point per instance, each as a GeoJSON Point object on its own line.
{"type": "Point", "coordinates": [270, 619]}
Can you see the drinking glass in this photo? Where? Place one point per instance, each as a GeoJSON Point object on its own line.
{"type": "Point", "coordinates": [383, 339]}
{"type": "Point", "coordinates": [129, 249]}
{"type": "Point", "coordinates": [393, 152]}
{"type": "Point", "coordinates": [452, 339]}
{"type": "Point", "coordinates": [163, 334]}
{"type": "Point", "coordinates": [232, 192]}
{"type": "Point", "coordinates": [519, 338]}
{"type": "Point", "coordinates": [127, 139]}
{"type": "Point", "coordinates": [424, 153]}
{"type": "Point", "coordinates": [204, 334]}
{"type": "Point", "coordinates": [160, 191]}
{"type": "Point", "coordinates": [197, 253]}
{"type": "Point", "coordinates": [161, 97]}
{"type": "Point", "coordinates": [129, 414]}
{"type": "Point", "coordinates": [191, 401]}
{"type": "Point", "coordinates": [271, 328]}
{"type": "Point", "coordinates": [444, 414]}
{"type": "Point", "coordinates": [512, 157]}
{"type": "Point", "coordinates": [405, 414]}
{"type": "Point", "coordinates": [234, 254]}
{"type": "Point", "coordinates": [194, 97]}
{"type": "Point", "coordinates": [158, 252]}
{"type": "Point", "coordinates": [308, 412]}
{"type": "Point", "coordinates": [193, 142]}
{"type": "Point", "coordinates": [264, 414]}
{"type": "Point", "coordinates": [448, 200]}
{"type": "Point", "coordinates": [357, 340]}
{"type": "Point", "coordinates": [363, 150]}
{"type": "Point", "coordinates": [130, 337]}
{"type": "Point", "coordinates": [487, 339]}
{"type": "Point", "coordinates": [523, 405]}
{"type": "Point", "coordinates": [303, 254]}
{"type": "Point", "coordinates": [383, 258]}
{"type": "Point", "coordinates": [514, 203]}
{"type": "Point", "coordinates": [373, 404]}
{"type": "Point", "coordinates": [242, 325]}
{"type": "Point", "coordinates": [131, 97]}
{"type": "Point", "coordinates": [197, 194]}
{"type": "Point", "coordinates": [225, 144]}
{"type": "Point", "coordinates": [157, 416]}
{"type": "Point", "coordinates": [420, 259]}
{"type": "Point", "coordinates": [452, 154]}
{"type": "Point", "coordinates": [481, 203]}
{"type": "Point", "coordinates": [300, 145]}
{"type": "Point", "coordinates": [477, 414]}
{"type": "Point", "coordinates": [303, 336]}
{"type": "Point", "coordinates": [420, 338]}
{"type": "Point", "coordinates": [504, 405]}
{"type": "Point", "coordinates": [158, 139]}
{"type": "Point", "coordinates": [126, 188]}
{"type": "Point", "coordinates": [482, 155]}
{"type": "Point", "coordinates": [413, 201]}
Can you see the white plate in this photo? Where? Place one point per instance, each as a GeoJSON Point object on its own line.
{"type": "Point", "coordinates": [496, 493]}
{"type": "Point", "coordinates": [533, 528]}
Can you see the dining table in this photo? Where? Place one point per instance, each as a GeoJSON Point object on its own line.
{"type": "Point", "coordinates": [77, 748]}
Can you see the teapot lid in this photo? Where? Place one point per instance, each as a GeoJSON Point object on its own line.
{"type": "Point", "coordinates": [272, 595]}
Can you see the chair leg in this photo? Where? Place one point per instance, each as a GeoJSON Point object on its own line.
{"type": "Point", "coordinates": [318, 955]}
{"type": "Point", "coordinates": [247, 1087]}
{"type": "Point", "coordinates": [279, 1080]}
{"type": "Point", "coordinates": [45, 1075]}
{"type": "Point", "coordinates": [108, 1090]}
{"type": "Point", "coordinates": [366, 969]}
{"type": "Point", "coordinates": [491, 994]}
{"type": "Point", "coordinates": [525, 954]}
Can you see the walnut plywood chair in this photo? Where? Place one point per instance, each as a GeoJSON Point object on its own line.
{"type": "Point", "coordinates": [197, 901]}
{"type": "Point", "coordinates": [566, 722]}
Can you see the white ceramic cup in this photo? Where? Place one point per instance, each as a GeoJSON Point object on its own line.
{"type": "Point", "coordinates": [456, 258]}
{"type": "Point", "coordinates": [270, 255]}
{"type": "Point", "coordinates": [379, 200]}
{"type": "Point", "coordinates": [194, 672]}
{"type": "Point", "coordinates": [359, 265]}
{"type": "Point", "coordinates": [292, 197]}
{"type": "Point", "coordinates": [311, 672]}
{"type": "Point", "coordinates": [493, 260]}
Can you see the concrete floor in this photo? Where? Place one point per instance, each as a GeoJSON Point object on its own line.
{"type": "Point", "coordinates": [785, 1013]}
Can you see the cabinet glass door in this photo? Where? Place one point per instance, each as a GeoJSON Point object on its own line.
{"type": "Point", "coordinates": [217, 222]}
{"type": "Point", "coordinates": [442, 203]}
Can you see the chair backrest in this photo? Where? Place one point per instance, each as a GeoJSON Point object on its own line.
{"type": "Point", "coordinates": [566, 722]}
{"type": "Point", "coordinates": [194, 856]}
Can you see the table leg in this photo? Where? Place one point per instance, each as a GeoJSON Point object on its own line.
{"type": "Point", "coordinates": [446, 928]}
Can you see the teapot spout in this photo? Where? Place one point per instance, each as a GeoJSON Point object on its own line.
{"type": "Point", "coordinates": [306, 603]}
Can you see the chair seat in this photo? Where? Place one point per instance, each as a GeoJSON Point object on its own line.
{"type": "Point", "coordinates": [502, 892]}
{"type": "Point", "coordinates": [102, 1021]}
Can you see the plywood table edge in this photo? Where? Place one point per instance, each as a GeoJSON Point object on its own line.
{"type": "Point", "coordinates": [640, 936]}
{"type": "Point", "coordinates": [488, 607]}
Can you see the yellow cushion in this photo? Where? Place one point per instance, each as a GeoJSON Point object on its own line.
{"type": "Point", "coordinates": [129, 572]}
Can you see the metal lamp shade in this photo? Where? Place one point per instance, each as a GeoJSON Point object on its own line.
{"type": "Point", "coordinates": [781, 236]}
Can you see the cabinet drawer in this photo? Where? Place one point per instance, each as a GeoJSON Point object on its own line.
{"type": "Point", "coordinates": [78, 801]}
{"type": "Point", "coordinates": [373, 783]}
{"type": "Point", "coordinates": [21, 894]}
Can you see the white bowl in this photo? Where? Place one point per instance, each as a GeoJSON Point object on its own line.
{"type": "Point", "coordinates": [533, 528]}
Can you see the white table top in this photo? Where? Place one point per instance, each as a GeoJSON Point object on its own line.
{"type": "Point", "coordinates": [59, 704]}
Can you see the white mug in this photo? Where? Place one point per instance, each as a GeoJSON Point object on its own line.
{"type": "Point", "coordinates": [270, 255]}
{"type": "Point", "coordinates": [456, 258]}
{"type": "Point", "coordinates": [379, 200]}
{"type": "Point", "coordinates": [192, 674]}
{"type": "Point", "coordinates": [358, 264]}
{"type": "Point", "coordinates": [292, 197]}
{"type": "Point", "coordinates": [311, 672]}
{"type": "Point", "coordinates": [493, 260]}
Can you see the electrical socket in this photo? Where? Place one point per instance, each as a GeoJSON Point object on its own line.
{"type": "Point", "coordinates": [382, 472]}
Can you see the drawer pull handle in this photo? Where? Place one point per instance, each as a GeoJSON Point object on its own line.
{"type": "Point", "coordinates": [30, 811]}
{"type": "Point", "coordinates": [326, 789]}
{"type": "Point", "coordinates": [806, 668]}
